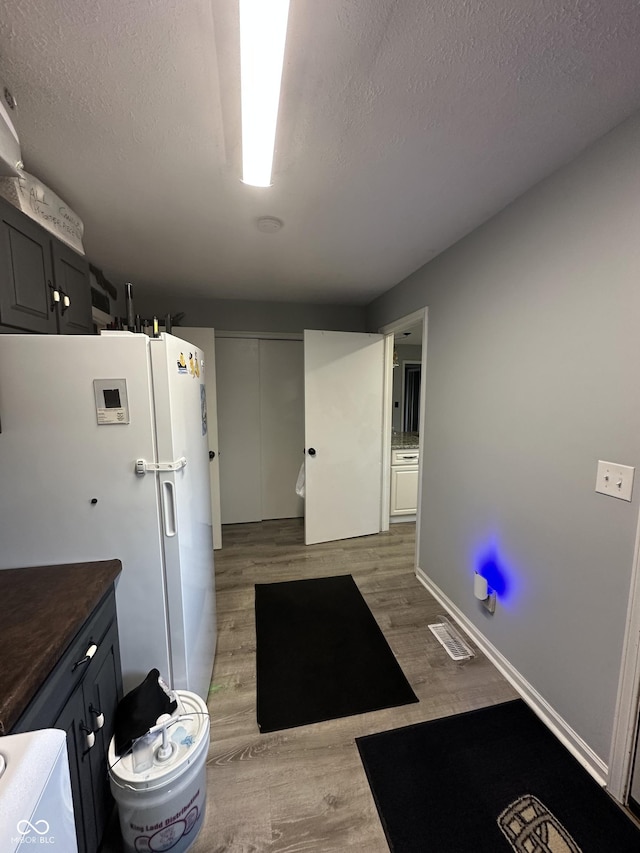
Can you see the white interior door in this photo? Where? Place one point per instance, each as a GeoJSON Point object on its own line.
{"type": "Point", "coordinates": [343, 434]}
{"type": "Point", "coordinates": [206, 340]}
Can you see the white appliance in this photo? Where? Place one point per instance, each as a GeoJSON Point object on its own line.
{"type": "Point", "coordinates": [103, 454]}
{"type": "Point", "coordinates": [35, 793]}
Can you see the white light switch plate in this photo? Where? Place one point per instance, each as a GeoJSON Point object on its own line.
{"type": "Point", "coordinates": [615, 480]}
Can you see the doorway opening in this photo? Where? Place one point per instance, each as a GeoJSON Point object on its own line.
{"type": "Point", "coordinates": [404, 407]}
{"type": "Point", "coordinates": [411, 373]}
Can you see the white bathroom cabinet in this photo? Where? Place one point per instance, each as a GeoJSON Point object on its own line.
{"type": "Point", "coordinates": [404, 482]}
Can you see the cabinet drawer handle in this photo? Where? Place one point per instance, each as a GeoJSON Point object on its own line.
{"type": "Point", "coordinates": [55, 296]}
{"type": "Point", "coordinates": [415, 456]}
{"type": "Point", "coordinates": [89, 736]}
{"type": "Point", "coordinates": [99, 717]}
{"type": "Point", "coordinates": [89, 654]}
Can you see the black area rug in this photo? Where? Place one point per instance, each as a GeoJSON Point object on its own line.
{"type": "Point", "coordinates": [489, 781]}
{"type": "Point", "coordinates": [321, 655]}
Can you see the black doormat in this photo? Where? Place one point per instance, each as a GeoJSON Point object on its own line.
{"type": "Point", "coordinates": [321, 655]}
{"type": "Point", "coordinates": [489, 781]}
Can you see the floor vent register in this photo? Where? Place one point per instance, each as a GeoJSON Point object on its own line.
{"type": "Point", "coordinates": [450, 639]}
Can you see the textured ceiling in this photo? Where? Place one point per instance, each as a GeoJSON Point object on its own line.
{"type": "Point", "coordinates": [403, 126]}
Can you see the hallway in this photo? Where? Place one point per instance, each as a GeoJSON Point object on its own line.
{"type": "Point", "coordinates": [304, 789]}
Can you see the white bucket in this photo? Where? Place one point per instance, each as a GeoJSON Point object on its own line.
{"type": "Point", "coordinates": [162, 808]}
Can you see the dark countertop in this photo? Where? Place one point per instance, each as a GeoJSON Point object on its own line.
{"type": "Point", "coordinates": [43, 608]}
{"type": "Point", "coordinates": [405, 440]}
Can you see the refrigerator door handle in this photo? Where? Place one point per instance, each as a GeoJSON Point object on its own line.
{"type": "Point", "coordinates": [169, 508]}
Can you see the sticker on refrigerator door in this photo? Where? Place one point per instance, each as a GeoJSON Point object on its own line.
{"type": "Point", "coordinates": [112, 404]}
{"type": "Point", "coordinates": [182, 364]}
{"type": "Point", "coordinates": [194, 367]}
{"type": "Point", "coordinates": [203, 408]}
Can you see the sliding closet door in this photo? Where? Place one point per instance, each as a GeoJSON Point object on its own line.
{"type": "Point", "coordinates": [260, 389]}
{"type": "Point", "coordinates": [281, 426]}
{"type": "Point", "coordinates": [238, 388]}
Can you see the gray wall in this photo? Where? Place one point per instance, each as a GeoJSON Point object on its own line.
{"type": "Point", "coordinates": [532, 376]}
{"type": "Point", "coordinates": [234, 315]}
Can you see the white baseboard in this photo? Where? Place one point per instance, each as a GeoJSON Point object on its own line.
{"type": "Point", "coordinates": [561, 729]}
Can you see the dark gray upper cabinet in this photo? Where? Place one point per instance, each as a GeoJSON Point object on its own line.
{"type": "Point", "coordinates": [26, 273]}
{"type": "Point", "coordinates": [35, 265]}
{"type": "Point", "coordinates": [71, 274]}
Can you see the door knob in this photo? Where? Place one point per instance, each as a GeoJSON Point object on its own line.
{"type": "Point", "coordinates": [212, 454]}
{"type": "Point", "coordinates": [311, 451]}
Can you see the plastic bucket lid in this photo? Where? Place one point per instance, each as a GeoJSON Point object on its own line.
{"type": "Point", "coordinates": [188, 733]}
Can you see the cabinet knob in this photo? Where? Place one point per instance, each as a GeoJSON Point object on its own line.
{"type": "Point", "coordinates": [99, 722]}
{"type": "Point", "coordinates": [66, 302]}
{"type": "Point", "coordinates": [311, 451]}
{"type": "Point", "coordinates": [212, 454]}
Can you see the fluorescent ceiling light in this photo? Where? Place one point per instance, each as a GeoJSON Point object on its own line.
{"type": "Point", "coordinates": [263, 30]}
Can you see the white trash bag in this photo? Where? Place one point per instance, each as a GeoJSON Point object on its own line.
{"type": "Point", "coordinates": [300, 482]}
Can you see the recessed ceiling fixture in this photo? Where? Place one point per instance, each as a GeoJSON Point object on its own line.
{"type": "Point", "coordinates": [263, 30]}
{"type": "Point", "coordinates": [269, 224]}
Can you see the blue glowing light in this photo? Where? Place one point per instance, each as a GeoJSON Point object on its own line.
{"type": "Point", "coordinates": [491, 568]}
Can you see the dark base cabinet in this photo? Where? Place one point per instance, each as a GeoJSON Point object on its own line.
{"type": "Point", "coordinates": [44, 284]}
{"type": "Point", "coordinates": [80, 697]}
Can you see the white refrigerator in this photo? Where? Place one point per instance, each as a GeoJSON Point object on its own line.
{"type": "Point", "coordinates": [103, 454]}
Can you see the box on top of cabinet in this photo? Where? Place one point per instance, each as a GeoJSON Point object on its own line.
{"type": "Point", "coordinates": [39, 202]}
{"type": "Point", "coordinates": [10, 153]}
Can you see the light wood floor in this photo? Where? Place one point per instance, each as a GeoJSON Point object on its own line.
{"type": "Point", "coordinates": [304, 789]}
